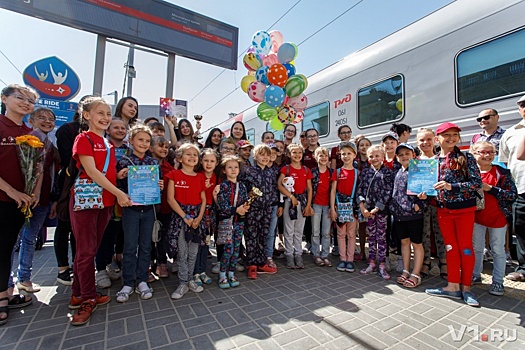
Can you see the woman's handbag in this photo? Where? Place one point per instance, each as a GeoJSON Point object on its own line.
{"type": "Point", "coordinates": [87, 193]}
{"type": "Point", "coordinates": [225, 228]}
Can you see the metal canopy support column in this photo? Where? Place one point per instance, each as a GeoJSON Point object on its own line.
{"type": "Point", "coordinates": [99, 65]}
{"type": "Point", "coordinates": [170, 75]}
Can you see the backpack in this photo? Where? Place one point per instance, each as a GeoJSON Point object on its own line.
{"type": "Point", "coordinates": [68, 175]}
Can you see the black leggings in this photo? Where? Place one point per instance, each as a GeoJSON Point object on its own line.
{"type": "Point", "coordinates": [12, 220]}
{"type": "Point", "coordinates": [62, 238]}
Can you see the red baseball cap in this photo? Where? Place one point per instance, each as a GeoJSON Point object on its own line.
{"type": "Point", "coordinates": [446, 126]}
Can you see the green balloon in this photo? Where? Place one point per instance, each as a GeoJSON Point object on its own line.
{"type": "Point", "coordinates": [276, 124]}
{"type": "Point", "coordinates": [295, 86]}
{"type": "Point", "coordinates": [265, 112]}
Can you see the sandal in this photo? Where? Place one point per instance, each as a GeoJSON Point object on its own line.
{"type": "Point", "coordinates": [443, 274]}
{"type": "Point", "coordinates": [319, 262]}
{"type": "Point", "coordinates": [426, 267]}
{"type": "Point", "coordinates": [402, 278]}
{"type": "Point", "coordinates": [144, 290]}
{"type": "Point", "coordinates": [19, 301]}
{"type": "Point", "coordinates": [4, 309]}
{"type": "Point", "coordinates": [327, 262]}
{"type": "Point", "coordinates": [123, 295]}
{"type": "Point", "coordinates": [410, 283]}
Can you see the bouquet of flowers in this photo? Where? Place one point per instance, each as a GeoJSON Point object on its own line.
{"type": "Point", "coordinates": [31, 156]}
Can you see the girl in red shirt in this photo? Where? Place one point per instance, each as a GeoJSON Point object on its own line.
{"type": "Point", "coordinates": [187, 199]}
{"type": "Point", "coordinates": [500, 192]}
{"type": "Point", "coordinates": [90, 150]}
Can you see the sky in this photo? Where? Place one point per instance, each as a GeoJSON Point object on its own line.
{"type": "Point", "coordinates": [325, 32]}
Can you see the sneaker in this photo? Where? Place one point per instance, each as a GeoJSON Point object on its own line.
{"type": "Point", "coordinates": [476, 280]}
{"type": "Point", "coordinates": [368, 270]}
{"type": "Point", "coordinates": [205, 278]}
{"type": "Point", "coordinates": [144, 290]}
{"type": "Point", "coordinates": [216, 268]}
{"type": "Point", "coordinates": [271, 263]}
{"type": "Point", "coordinates": [266, 269]}
{"type": "Point", "coordinates": [223, 283]}
{"type": "Point", "coordinates": [197, 279]}
{"type": "Point", "coordinates": [114, 271]}
{"type": "Point", "coordinates": [233, 281]}
{"type": "Point", "coordinates": [335, 251]}
{"type": "Point", "coordinates": [239, 267]}
{"type": "Point", "coordinates": [151, 277]}
{"type": "Point", "coordinates": [74, 302]}
{"type": "Point", "coordinates": [399, 267]}
{"type": "Point", "coordinates": [508, 258]}
{"type": "Point", "coordinates": [383, 273]}
{"type": "Point", "coordinates": [64, 278]}
{"type": "Point", "coordinates": [440, 292]}
{"type": "Point", "coordinates": [497, 289]}
{"type": "Point", "coordinates": [299, 264]}
{"type": "Point", "coordinates": [350, 266]}
{"type": "Point", "coordinates": [180, 291]}
{"type": "Point", "coordinates": [470, 299]}
{"type": "Point", "coordinates": [162, 271]}
{"type": "Point", "coordinates": [341, 266]}
{"type": "Point", "coordinates": [252, 272]}
{"type": "Point", "coordinates": [487, 254]}
{"type": "Point", "coordinates": [124, 293]}
{"type": "Point", "coordinates": [194, 287]}
{"type": "Point", "coordinates": [290, 264]}
{"type": "Point", "coordinates": [84, 312]}
{"type": "Point", "coordinates": [102, 279]}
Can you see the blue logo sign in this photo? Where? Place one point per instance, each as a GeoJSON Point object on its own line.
{"type": "Point", "coordinates": [52, 78]}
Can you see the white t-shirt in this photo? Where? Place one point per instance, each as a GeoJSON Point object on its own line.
{"type": "Point", "coordinates": [507, 153]}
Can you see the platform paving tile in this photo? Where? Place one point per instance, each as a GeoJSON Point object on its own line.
{"type": "Point", "coordinates": [316, 308]}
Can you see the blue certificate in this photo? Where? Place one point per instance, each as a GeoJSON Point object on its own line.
{"type": "Point", "coordinates": [143, 184]}
{"type": "Point", "coordinates": [422, 176]}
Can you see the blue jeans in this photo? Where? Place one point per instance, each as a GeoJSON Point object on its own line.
{"type": "Point", "coordinates": [138, 227]}
{"type": "Point", "coordinates": [497, 247]}
{"type": "Point", "coordinates": [272, 231]}
{"type": "Point", "coordinates": [320, 231]}
{"type": "Point", "coordinates": [27, 243]}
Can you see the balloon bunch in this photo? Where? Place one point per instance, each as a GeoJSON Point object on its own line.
{"type": "Point", "coordinates": [272, 80]}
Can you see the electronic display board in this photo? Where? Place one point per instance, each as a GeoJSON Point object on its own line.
{"type": "Point", "coordinates": [151, 23]}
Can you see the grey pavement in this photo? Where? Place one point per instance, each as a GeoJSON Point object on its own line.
{"type": "Point", "coordinates": [314, 308]}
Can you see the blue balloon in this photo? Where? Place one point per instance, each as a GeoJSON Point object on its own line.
{"type": "Point", "coordinates": [274, 96]}
{"type": "Point", "coordinates": [286, 53]}
{"type": "Point", "coordinates": [261, 76]}
{"type": "Point", "coordinates": [290, 69]}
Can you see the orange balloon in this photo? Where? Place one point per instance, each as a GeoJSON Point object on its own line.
{"type": "Point", "coordinates": [277, 75]}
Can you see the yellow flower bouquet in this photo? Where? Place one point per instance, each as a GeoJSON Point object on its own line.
{"type": "Point", "coordinates": [31, 153]}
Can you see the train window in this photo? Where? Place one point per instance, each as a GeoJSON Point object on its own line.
{"type": "Point", "coordinates": [380, 102]}
{"type": "Point", "coordinates": [491, 70]}
{"type": "Point", "coordinates": [250, 135]}
{"type": "Point", "coordinates": [317, 117]}
{"type": "Point", "coordinates": [278, 134]}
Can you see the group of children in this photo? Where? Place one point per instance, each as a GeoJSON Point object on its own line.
{"type": "Point", "coordinates": [213, 192]}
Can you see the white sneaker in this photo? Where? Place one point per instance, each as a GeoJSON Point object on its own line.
{"type": "Point", "coordinates": [102, 279]}
{"type": "Point", "coordinates": [114, 271]}
{"type": "Point", "coordinates": [194, 287]}
{"type": "Point", "coordinates": [216, 268]}
{"type": "Point", "coordinates": [180, 291]}
{"type": "Point", "coordinates": [239, 267]}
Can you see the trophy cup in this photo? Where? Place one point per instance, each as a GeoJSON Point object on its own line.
{"type": "Point", "coordinates": [253, 195]}
{"type": "Point", "coordinates": [198, 125]}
